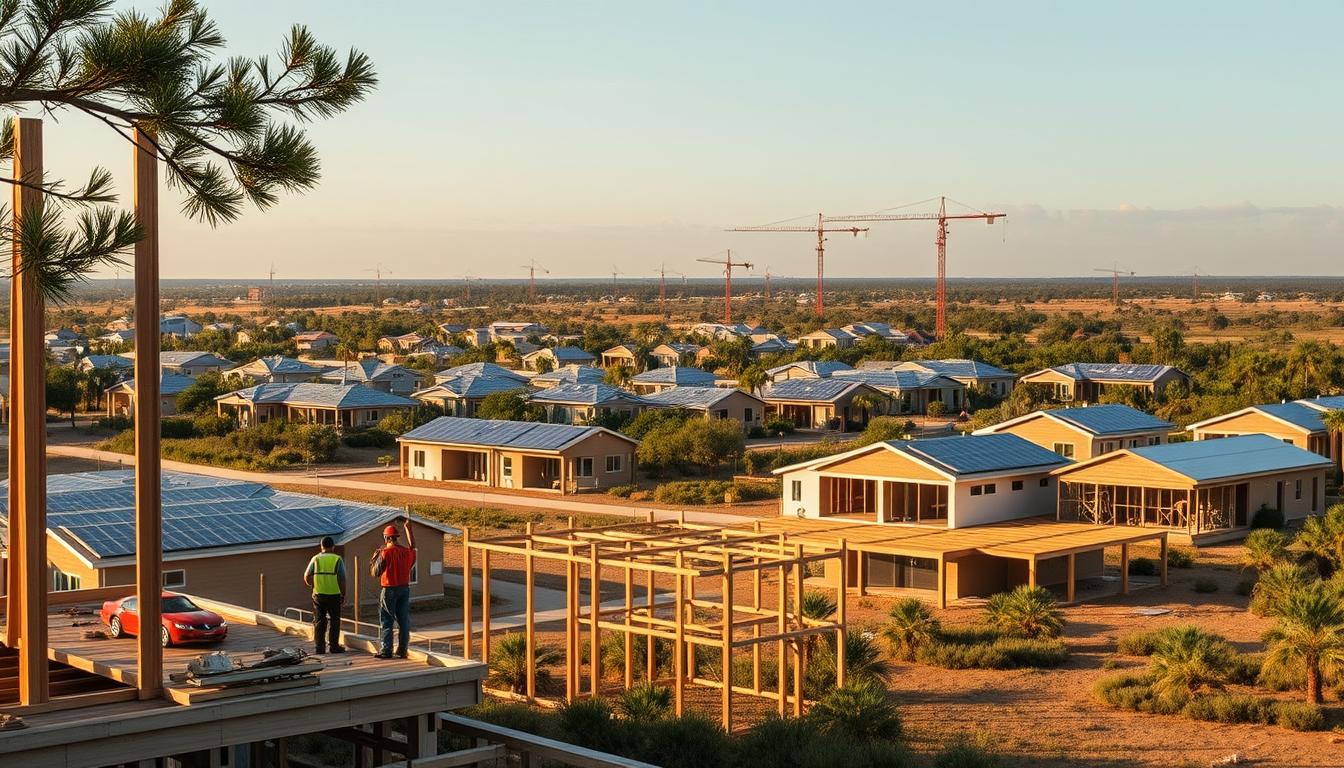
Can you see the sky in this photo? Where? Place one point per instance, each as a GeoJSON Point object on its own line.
{"type": "Point", "coordinates": [590, 136]}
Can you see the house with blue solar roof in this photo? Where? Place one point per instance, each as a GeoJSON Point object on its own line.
{"type": "Point", "coordinates": [972, 373]}
{"type": "Point", "coordinates": [1083, 432]}
{"type": "Point", "coordinates": [121, 396]}
{"type": "Point", "coordinates": [806, 369]}
{"type": "Point", "coordinates": [278, 369]}
{"type": "Point", "coordinates": [220, 537]}
{"type": "Point", "coordinates": [1300, 422]}
{"type": "Point", "coordinates": [659, 379]}
{"type": "Point", "coordinates": [341, 405]}
{"type": "Point", "coordinates": [462, 395]}
{"type": "Point", "coordinates": [910, 392]}
{"type": "Point", "coordinates": [841, 403]}
{"type": "Point", "coordinates": [582, 403]}
{"type": "Point", "coordinates": [569, 374]}
{"type": "Point", "coordinates": [1087, 382]}
{"type": "Point", "coordinates": [712, 403]}
{"type": "Point", "coordinates": [376, 374]}
{"type": "Point", "coordinates": [558, 357]}
{"type": "Point", "coordinates": [676, 353]}
{"type": "Point", "coordinates": [559, 458]}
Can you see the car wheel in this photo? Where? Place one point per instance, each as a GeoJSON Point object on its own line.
{"type": "Point", "coordinates": [114, 627]}
{"type": "Point", "coordinates": [164, 638]}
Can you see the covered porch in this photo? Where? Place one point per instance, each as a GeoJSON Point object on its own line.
{"type": "Point", "coordinates": [1193, 510]}
{"type": "Point", "coordinates": [875, 500]}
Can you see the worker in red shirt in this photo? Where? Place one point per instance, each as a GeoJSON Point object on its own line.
{"type": "Point", "coordinates": [392, 564]}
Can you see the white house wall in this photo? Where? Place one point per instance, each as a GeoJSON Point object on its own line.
{"type": "Point", "coordinates": [966, 511]}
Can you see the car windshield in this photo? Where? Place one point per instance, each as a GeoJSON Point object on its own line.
{"type": "Point", "coordinates": [178, 604]}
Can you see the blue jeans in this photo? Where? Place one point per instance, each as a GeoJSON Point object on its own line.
{"type": "Point", "coordinates": [395, 603]}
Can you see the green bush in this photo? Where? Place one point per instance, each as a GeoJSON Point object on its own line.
{"type": "Point", "coordinates": [1001, 653]}
{"type": "Point", "coordinates": [116, 423]}
{"type": "Point", "coordinates": [757, 462]}
{"type": "Point", "coordinates": [1267, 517]}
{"type": "Point", "coordinates": [212, 425]}
{"type": "Point", "coordinates": [776, 425]}
{"type": "Point", "coordinates": [1025, 612]}
{"type": "Point", "coordinates": [1142, 566]}
{"type": "Point", "coordinates": [177, 427]}
{"type": "Point", "coordinates": [1301, 716]}
{"type": "Point", "coordinates": [1231, 708]}
{"type": "Point", "coordinates": [369, 438]}
{"type": "Point", "coordinates": [1244, 668]}
{"type": "Point", "coordinates": [1206, 584]}
{"type": "Point", "coordinates": [1140, 643]}
{"type": "Point", "coordinates": [510, 714]}
{"type": "Point", "coordinates": [696, 492]}
{"type": "Point", "coordinates": [757, 432]}
{"type": "Point", "coordinates": [690, 741]}
{"type": "Point", "coordinates": [1135, 692]}
{"type": "Point", "coordinates": [622, 491]}
{"type": "Point", "coordinates": [1181, 557]}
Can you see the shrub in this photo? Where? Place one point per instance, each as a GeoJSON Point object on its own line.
{"type": "Point", "coordinates": [1142, 566]}
{"type": "Point", "coordinates": [936, 409]}
{"type": "Point", "coordinates": [1025, 612]}
{"type": "Point", "coordinates": [1188, 660]}
{"type": "Point", "coordinates": [690, 741]}
{"type": "Point", "coordinates": [910, 626]}
{"type": "Point", "coordinates": [1206, 584]}
{"type": "Point", "coordinates": [1231, 708]}
{"type": "Point", "coordinates": [1244, 668]}
{"type": "Point", "coordinates": [1301, 716]}
{"type": "Point", "coordinates": [1266, 517]}
{"type": "Point", "coordinates": [1181, 557]}
{"type": "Point", "coordinates": [1135, 692]}
{"type": "Point", "coordinates": [622, 491]}
{"type": "Point", "coordinates": [177, 427]}
{"type": "Point", "coordinates": [116, 423]}
{"type": "Point", "coordinates": [369, 438]}
{"type": "Point", "coordinates": [777, 425]}
{"type": "Point", "coordinates": [1140, 643]}
{"type": "Point", "coordinates": [712, 491]}
{"type": "Point", "coordinates": [508, 661]}
{"type": "Point", "coordinates": [963, 754]}
{"type": "Point", "coordinates": [1264, 548]}
{"type": "Point", "coordinates": [860, 711]}
{"type": "Point", "coordinates": [212, 425]}
{"type": "Point", "coordinates": [1002, 653]}
{"type": "Point", "coordinates": [1275, 585]}
{"type": "Point", "coordinates": [316, 442]}
{"type": "Point", "coordinates": [510, 714]}
{"type": "Point", "coordinates": [757, 432]}
{"type": "Point", "coordinates": [588, 723]}
{"type": "Point", "coordinates": [645, 702]}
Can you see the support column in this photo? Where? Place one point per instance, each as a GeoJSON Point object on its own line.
{"type": "Point", "coordinates": [466, 593]}
{"type": "Point", "coordinates": [942, 582]}
{"type": "Point", "coordinates": [28, 581]}
{"type": "Point", "coordinates": [842, 596]}
{"type": "Point", "coordinates": [1073, 577]}
{"type": "Point", "coordinates": [782, 652]}
{"type": "Point", "coordinates": [571, 630]}
{"type": "Point", "coordinates": [1124, 569]}
{"type": "Point", "coordinates": [799, 575]}
{"type": "Point", "coordinates": [148, 462]}
{"type": "Point", "coordinates": [595, 637]}
{"type": "Point", "coordinates": [1162, 567]}
{"type": "Point", "coordinates": [651, 643]}
{"type": "Point", "coordinates": [862, 571]}
{"type": "Point", "coordinates": [679, 644]}
{"type": "Point", "coordinates": [485, 606]}
{"type": "Point", "coordinates": [727, 649]}
{"type": "Point", "coordinates": [1031, 572]}
{"type": "Point", "coordinates": [529, 617]}
{"type": "Point", "coordinates": [629, 608]}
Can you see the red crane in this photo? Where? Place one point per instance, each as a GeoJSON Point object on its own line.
{"type": "Point", "coordinates": [820, 229]}
{"type": "Point", "coordinates": [728, 265]}
{"type": "Point", "coordinates": [1115, 282]}
{"type": "Point", "coordinates": [942, 217]}
{"type": "Point", "coordinates": [532, 268]}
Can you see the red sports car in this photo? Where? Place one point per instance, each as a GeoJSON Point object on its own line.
{"type": "Point", "coordinates": [183, 620]}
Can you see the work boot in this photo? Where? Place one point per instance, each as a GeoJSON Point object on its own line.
{"type": "Point", "coordinates": [403, 653]}
{"type": "Point", "coordinates": [338, 649]}
{"type": "Point", "coordinates": [382, 655]}
{"type": "Point", "coordinates": [320, 650]}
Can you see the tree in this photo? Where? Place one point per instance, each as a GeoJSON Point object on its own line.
{"type": "Point", "coordinates": [1309, 635]}
{"type": "Point", "coordinates": [1275, 584]}
{"type": "Point", "coordinates": [1334, 424]}
{"type": "Point", "coordinates": [63, 385]}
{"type": "Point", "coordinates": [1025, 612]}
{"type": "Point", "coordinates": [544, 364]}
{"type": "Point", "coordinates": [199, 396]}
{"type": "Point", "coordinates": [753, 377]}
{"type": "Point", "coordinates": [508, 406]}
{"type": "Point", "coordinates": [910, 626]}
{"type": "Point", "coordinates": [714, 442]}
{"type": "Point", "coordinates": [96, 383]}
{"type": "Point", "coordinates": [1322, 539]}
{"type": "Point", "coordinates": [935, 409]}
{"type": "Point", "coordinates": [1187, 660]}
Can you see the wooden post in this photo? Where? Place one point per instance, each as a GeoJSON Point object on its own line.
{"type": "Point", "coordinates": [862, 572]}
{"type": "Point", "coordinates": [1124, 569]}
{"type": "Point", "coordinates": [727, 650]}
{"type": "Point", "coordinates": [261, 592]}
{"type": "Point", "coordinates": [842, 595]}
{"type": "Point", "coordinates": [1162, 568]}
{"type": "Point", "coordinates": [595, 636]}
{"type": "Point", "coordinates": [942, 582]}
{"type": "Point", "coordinates": [1031, 572]}
{"type": "Point", "coordinates": [629, 607]}
{"type": "Point", "coordinates": [358, 629]}
{"type": "Point", "coordinates": [651, 642]}
{"type": "Point", "coordinates": [679, 644]}
{"type": "Point", "coordinates": [1073, 575]}
{"type": "Point", "coordinates": [148, 462]}
{"type": "Point", "coordinates": [28, 581]}
{"type": "Point", "coordinates": [571, 631]}
{"type": "Point", "coordinates": [466, 592]}
{"type": "Point", "coordinates": [801, 658]}
{"type": "Point", "coordinates": [485, 606]}
{"type": "Point", "coordinates": [756, 625]}
{"type": "Point", "coordinates": [782, 652]}
{"type": "Point", "coordinates": [529, 617]}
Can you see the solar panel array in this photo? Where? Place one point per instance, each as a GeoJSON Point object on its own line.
{"type": "Point", "coordinates": [1110, 419]}
{"type": "Point", "coordinates": [689, 397]}
{"type": "Point", "coordinates": [323, 395]}
{"type": "Point", "coordinates": [974, 454]}
{"type": "Point", "coordinates": [818, 390]}
{"type": "Point", "coordinates": [679, 375]}
{"type": "Point", "coordinates": [1202, 460]}
{"type": "Point", "coordinates": [503, 434]}
{"type": "Point", "coordinates": [587, 394]}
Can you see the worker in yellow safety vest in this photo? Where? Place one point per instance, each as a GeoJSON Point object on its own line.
{"type": "Point", "coordinates": [326, 575]}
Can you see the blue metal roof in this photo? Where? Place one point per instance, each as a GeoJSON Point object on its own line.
{"type": "Point", "coordinates": [898, 381]}
{"type": "Point", "coordinates": [571, 354]}
{"type": "Point", "coordinates": [97, 510]}
{"type": "Point", "coordinates": [1206, 460]}
{"type": "Point", "coordinates": [810, 390]}
{"type": "Point", "coordinates": [1110, 419]}
{"type": "Point", "coordinates": [322, 395]}
{"type": "Point", "coordinates": [681, 376]}
{"type": "Point", "coordinates": [481, 369]}
{"type": "Point", "coordinates": [474, 386]}
{"type": "Point", "coordinates": [368, 370]}
{"type": "Point", "coordinates": [571, 374]}
{"type": "Point", "coordinates": [978, 454]}
{"type": "Point", "coordinates": [279, 364]}
{"type": "Point", "coordinates": [964, 369]}
{"type": "Point", "coordinates": [498, 434]}
{"type": "Point", "coordinates": [819, 368]}
{"type": "Point", "coordinates": [1325, 402]}
{"type": "Point", "coordinates": [583, 394]}
{"type": "Point", "coordinates": [1297, 414]}
{"type": "Point", "coordinates": [689, 397]}
{"type": "Point", "coordinates": [169, 384]}
{"type": "Point", "coordinates": [108, 361]}
{"type": "Point", "coordinates": [1113, 371]}
{"type": "Point", "coordinates": [189, 358]}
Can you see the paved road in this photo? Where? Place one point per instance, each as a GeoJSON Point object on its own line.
{"type": "Point", "coordinates": [475, 498]}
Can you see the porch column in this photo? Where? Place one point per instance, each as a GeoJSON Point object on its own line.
{"type": "Point", "coordinates": [1031, 572]}
{"type": "Point", "coordinates": [1072, 587]}
{"type": "Point", "coordinates": [1124, 569]}
{"type": "Point", "coordinates": [942, 582]}
{"type": "Point", "coordinates": [862, 572]}
{"type": "Point", "coordinates": [1162, 567]}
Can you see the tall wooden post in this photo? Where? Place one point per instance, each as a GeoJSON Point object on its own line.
{"type": "Point", "coordinates": [466, 593]}
{"type": "Point", "coordinates": [148, 463]}
{"type": "Point", "coordinates": [679, 644]}
{"type": "Point", "coordinates": [529, 618]}
{"type": "Point", "coordinates": [629, 608]}
{"type": "Point", "coordinates": [799, 574]}
{"type": "Point", "coordinates": [28, 582]}
{"type": "Point", "coordinates": [727, 652]}
{"type": "Point", "coordinates": [1162, 560]}
{"type": "Point", "coordinates": [651, 644]}
{"type": "Point", "coordinates": [842, 596]}
{"type": "Point", "coordinates": [595, 638]}
{"type": "Point", "coordinates": [485, 606]}
{"type": "Point", "coordinates": [1124, 569]}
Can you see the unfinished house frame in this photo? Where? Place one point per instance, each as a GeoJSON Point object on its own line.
{"type": "Point", "coordinates": [699, 568]}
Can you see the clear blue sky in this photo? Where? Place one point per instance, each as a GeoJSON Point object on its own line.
{"type": "Point", "coordinates": [1159, 135]}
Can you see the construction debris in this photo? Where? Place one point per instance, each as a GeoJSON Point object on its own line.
{"type": "Point", "coordinates": [10, 722]}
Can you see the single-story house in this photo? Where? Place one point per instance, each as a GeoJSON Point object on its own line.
{"type": "Point", "coordinates": [118, 363]}
{"type": "Point", "coordinates": [221, 537]}
{"type": "Point", "coordinates": [1081, 433]}
{"type": "Point", "coordinates": [375, 374]}
{"type": "Point", "coordinates": [820, 403]}
{"type": "Point", "coordinates": [1199, 490]}
{"type": "Point", "coordinates": [180, 326]}
{"type": "Point", "coordinates": [622, 354]}
{"type": "Point", "coordinates": [278, 369]}
{"type": "Point", "coordinates": [713, 402]}
{"type": "Point", "coordinates": [806, 369]}
{"type": "Point", "coordinates": [675, 353]}
{"type": "Point", "coordinates": [1087, 382]}
{"type": "Point", "coordinates": [659, 379]}
{"type": "Point", "coordinates": [403, 344]}
{"type": "Point", "coordinates": [191, 364]}
{"type": "Point", "coordinates": [343, 405]}
{"type": "Point", "coordinates": [492, 370]}
{"type": "Point", "coordinates": [770, 344]}
{"type": "Point", "coordinates": [559, 356]}
{"type": "Point", "coordinates": [121, 396]}
{"type": "Point", "coordinates": [313, 343]}
{"type": "Point", "coordinates": [516, 454]}
{"type": "Point", "coordinates": [569, 374]}
{"type": "Point", "coordinates": [973, 373]}
{"type": "Point", "coordinates": [912, 391]}
{"type": "Point", "coordinates": [123, 336]}
{"type": "Point", "coordinates": [582, 403]}
{"type": "Point", "coordinates": [462, 395]}
{"type": "Point", "coordinates": [881, 330]}
{"type": "Point", "coordinates": [1300, 423]}
{"type": "Point", "coordinates": [828, 338]}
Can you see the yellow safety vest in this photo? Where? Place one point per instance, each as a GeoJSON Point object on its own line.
{"type": "Point", "coordinates": [324, 574]}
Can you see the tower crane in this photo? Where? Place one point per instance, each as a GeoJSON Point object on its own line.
{"type": "Point", "coordinates": [942, 217]}
{"type": "Point", "coordinates": [821, 230]}
{"type": "Point", "coordinates": [466, 280]}
{"type": "Point", "coordinates": [532, 268]}
{"type": "Point", "coordinates": [662, 286]}
{"type": "Point", "coordinates": [615, 272]}
{"type": "Point", "coordinates": [1115, 281]}
{"type": "Point", "coordinates": [1194, 277]}
{"type": "Point", "coordinates": [378, 272]}
{"type": "Point", "coordinates": [728, 265]}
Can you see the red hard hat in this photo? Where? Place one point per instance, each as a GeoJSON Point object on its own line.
{"type": "Point", "coordinates": [390, 530]}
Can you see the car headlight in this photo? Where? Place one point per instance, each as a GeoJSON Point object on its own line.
{"type": "Point", "coordinates": [181, 626]}
{"type": "Point", "coordinates": [223, 624]}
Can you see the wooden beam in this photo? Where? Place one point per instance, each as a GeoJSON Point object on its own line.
{"type": "Point", "coordinates": [148, 462]}
{"type": "Point", "coordinates": [727, 649]}
{"type": "Point", "coordinates": [466, 593]}
{"type": "Point", "coordinates": [801, 659]}
{"type": "Point", "coordinates": [28, 583]}
{"type": "Point", "coordinates": [942, 582]}
{"type": "Point", "coordinates": [1072, 577]}
{"type": "Point", "coordinates": [679, 647]}
{"type": "Point", "coordinates": [1124, 569]}
{"type": "Point", "coordinates": [1162, 567]}
{"type": "Point", "coordinates": [530, 617]}
{"type": "Point", "coordinates": [629, 638]}
{"type": "Point", "coordinates": [595, 635]}
{"type": "Point", "coordinates": [485, 606]}
{"type": "Point", "coordinates": [842, 596]}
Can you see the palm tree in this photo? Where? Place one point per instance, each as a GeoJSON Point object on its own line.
{"type": "Point", "coordinates": [1310, 634]}
{"type": "Point", "coordinates": [1025, 612]}
{"type": "Point", "coordinates": [861, 711]}
{"type": "Point", "coordinates": [864, 661]}
{"type": "Point", "coordinates": [1275, 585]}
{"type": "Point", "coordinates": [1334, 424]}
{"type": "Point", "coordinates": [817, 605]}
{"type": "Point", "coordinates": [346, 352]}
{"type": "Point", "coordinates": [508, 661]}
{"type": "Point", "coordinates": [1187, 660]}
{"type": "Point", "coordinates": [1322, 539]}
{"type": "Point", "coordinates": [1265, 547]}
{"type": "Point", "coordinates": [911, 626]}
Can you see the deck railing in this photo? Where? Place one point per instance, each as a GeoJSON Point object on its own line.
{"type": "Point", "coordinates": [419, 640]}
{"type": "Point", "coordinates": [531, 749]}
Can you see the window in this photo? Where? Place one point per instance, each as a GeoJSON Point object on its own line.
{"type": "Point", "coordinates": [64, 582]}
{"type": "Point", "coordinates": [372, 416]}
{"type": "Point", "coordinates": [507, 467]}
{"type": "Point", "coordinates": [174, 579]}
{"type": "Point", "coordinates": [584, 466]}
{"type": "Point", "coordinates": [983, 490]}
{"type": "Point", "coordinates": [1155, 440]}
{"type": "Point", "coordinates": [990, 488]}
{"type": "Point", "coordinates": [1297, 489]}
{"type": "Point", "coordinates": [415, 572]}
{"type": "Point", "coordinates": [418, 458]}
{"type": "Point", "coordinates": [796, 490]}
{"type": "Point", "coordinates": [976, 490]}
{"type": "Point", "coordinates": [721, 413]}
{"type": "Point", "coordinates": [747, 415]}
{"type": "Point", "coordinates": [1045, 482]}
{"type": "Point", "coordinates": [614, 463]}
{"type": "Point", "coordinates": [1017, 485]}
{"type": "Point", "coordinates": [1064, 449]}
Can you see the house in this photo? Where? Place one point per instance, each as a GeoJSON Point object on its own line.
{"type": "Point", "coordinates": [447, 331]}
{"type": "Point", "coordinates": [179, 326]}
{"type": "Point", "coordinates": [191, 364]}
{"type": "Point", "coordinates": [1087, 382]}
{"type": "Point", "coordinates": [820, 403]}
{"type": "Point", "coordinates": [721, 332]}
{"type": "Point", "coordinates": [220, 536]}
{"type": "Point", "coordinates": [514, 330]}
{"type": "Point", "coordinates": [277, 369]}
{"type": "Point", "coordinates": [974, 374]}
{"type": "Point", "coordinates": [912, 391]}
{"type": "Point", "coordinates": [436, 351]}
{"type": "Point", "coordinates": [559, 356]}
{"type": "Point", "coordinates": [569, 374]}
{"type": "Point", "coordinates": [124, 336]}
{"type": "Point", "coordinates": [582, 403]}
{"type": "Point", "coordinates": [313, 343]}
{"type": "Point", "coordinates": [1082, 433]}
{"type": "Point", "coordinates": [659, 379]}
{"type": "Point", "coordinates": [118, 363]}
{"type": "Point", "coordinates": [121, 396]}
{"type": "Point", "coordinates": [1299, 422]}
{"type": "Point", "coordinates": [515, 454]}
{"type": "Point", "coordinates": [403, 344]}
{"type": "Point", "coordinates": [880, 330]}
{"type": "Point", "coordinates": [806, 369]}
{"type": "Point", "coordinates": [827, 338]}
{"type": "Point", "coordinates": [674, 353]}
{"type": "Point", "coordinates": [1200, 490]}
{"type": "Point", "coordinates": [626, 355]}
{"type": "Point", "coordinates": [462, 395]}
{"type": "Point", "coordinates": [375, 374]}
{"type": "Point", "coordinates": [342, 405]}
{"type": "Point", "coordinates": [712, 403]}
{"type": "Point", "coordinates": [770, 344]}
{"type": "Point", "coordinates": [493, 370]}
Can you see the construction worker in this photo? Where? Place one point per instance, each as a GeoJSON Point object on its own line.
{"type": "Point", "coordinates": [392, 564]}
{"type": "Point", "coordinates": [326, 575]}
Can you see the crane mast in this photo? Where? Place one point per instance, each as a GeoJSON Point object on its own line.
{"type": "Point", "coordinates": [728, 265]}
{"type": "Point", "coordinates": [821, 231]}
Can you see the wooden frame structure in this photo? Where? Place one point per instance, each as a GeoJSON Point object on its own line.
{"type": "Point", "coordinates": [650, 562]}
